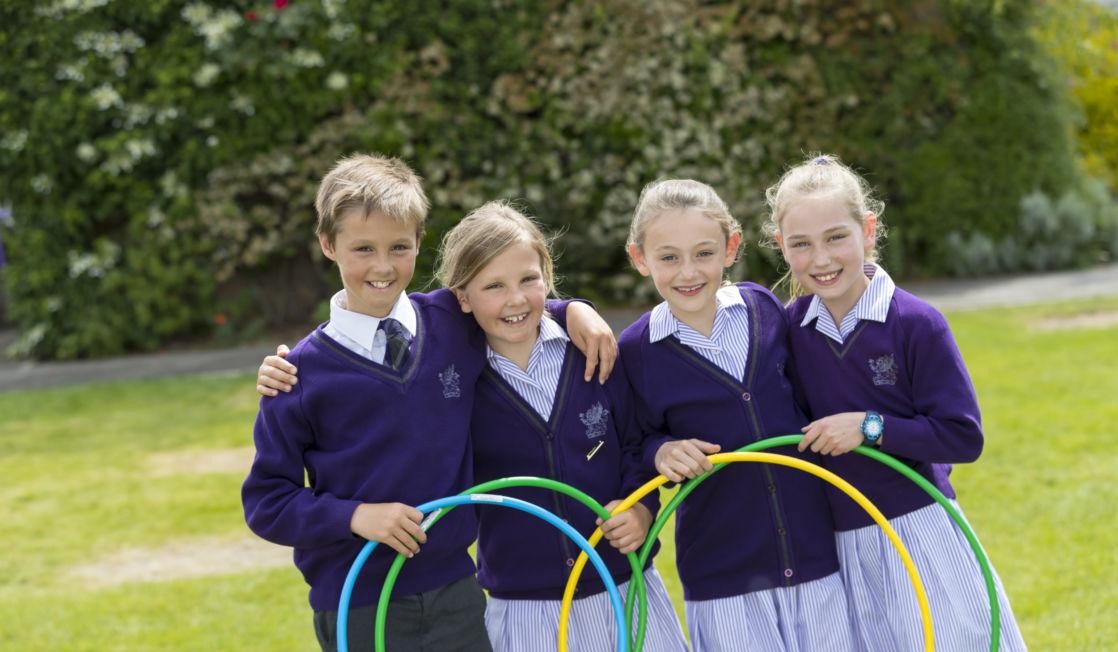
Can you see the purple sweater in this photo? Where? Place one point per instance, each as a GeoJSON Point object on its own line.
{"type": "Point", "coordinates": [908, 369]}
{"type": "Point", "coordinates": [519, 555]}
{"type": "Point", "coordinates": [750, 526]}
{"type": "Point", "coordinates": [364, 433]}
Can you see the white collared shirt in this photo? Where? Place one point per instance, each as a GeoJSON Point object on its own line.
{"type": "Point", "coordinates": [536, 385]}
{"type": "Point", "coordinates": [360, 333]}
{"type": "Point", "coordinates": [872, 305]}
{"type": "Point", "coordinates": [728, 345]}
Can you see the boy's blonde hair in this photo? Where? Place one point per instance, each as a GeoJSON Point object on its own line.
{"type": "Point", "coordinates": [820, 175]}
{"type": "Point", "coordinates": [666, 195]}
{"type": "Point", "coordinates": [483, 235]}
{"type": "Point", "coordinates": [373, 184]}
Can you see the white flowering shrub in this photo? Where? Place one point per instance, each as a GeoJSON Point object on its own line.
{"type": "Point", "coordinates": [160, 159]}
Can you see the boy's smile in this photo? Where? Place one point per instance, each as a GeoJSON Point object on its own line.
{"type": "Point", "coordinates": [376, 259]}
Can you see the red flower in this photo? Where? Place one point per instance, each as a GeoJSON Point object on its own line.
{"type": "Point", "coordinates": [220, 319]}
{"type": "Point", "coordinates": [250, 15]}
{"type": "Point", "coordinates": [280, 4]}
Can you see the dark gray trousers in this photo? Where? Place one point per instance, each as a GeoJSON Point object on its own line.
{"type": "Point", "coordinates": [449, 618]}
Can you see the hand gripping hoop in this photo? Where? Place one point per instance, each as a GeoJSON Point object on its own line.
{"type": "Point", "coordinates": [488, 499]}
{"type": "Point", "coordinates": [791, 440]}
{"type": "Point", "coordinates": [772, 459]}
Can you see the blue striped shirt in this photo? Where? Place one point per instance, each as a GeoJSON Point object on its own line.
{"type": "Point", "coordinates": [728, 345]}
{"type": "Point", "coordinates": [872, 305]}
{"type": "Point", "coordinates": [538, 384]}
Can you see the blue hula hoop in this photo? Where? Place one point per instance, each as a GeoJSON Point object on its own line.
{"type": "Point", "coordinates": [505, 501]}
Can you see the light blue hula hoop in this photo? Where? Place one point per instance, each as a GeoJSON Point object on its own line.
{"type": "Point", "coordinates": [505, 501]}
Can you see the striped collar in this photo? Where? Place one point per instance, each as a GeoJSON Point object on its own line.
{"type": "Point", "coordinates": [550, 331]}
{"type": "Point", "coordinates": [662, 323]}
{"type": "Point", "coordinates": [873, 305]}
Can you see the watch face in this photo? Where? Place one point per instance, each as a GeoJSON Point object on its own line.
{"type": "Point", "coordinates": [873, 427]}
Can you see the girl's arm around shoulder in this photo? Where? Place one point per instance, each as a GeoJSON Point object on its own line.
{"type": "Point", "coordinates": [589, 333]}
{"type": "Point", "coordinates": [947, 424]}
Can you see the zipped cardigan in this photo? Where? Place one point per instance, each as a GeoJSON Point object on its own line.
{"type": "Point", "coordinates": [750, 526]}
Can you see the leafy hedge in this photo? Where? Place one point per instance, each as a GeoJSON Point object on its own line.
{"type": "Point", "coordinates": [160, 158]}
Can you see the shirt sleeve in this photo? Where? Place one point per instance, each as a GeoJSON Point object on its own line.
{"type": "Point", "coordinates": [277, 503]}
{"type": "Point", "coordinates": [946, 426]}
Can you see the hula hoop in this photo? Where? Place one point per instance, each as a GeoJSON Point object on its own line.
{"type": "Point", "coordinates": [903, 469]}
{"type": "Point", "coordinates": [515, 503]}
{"type": "Point", "coordinates": [636, 583]}
{"type": "Point", "coordinates": [771, 458]}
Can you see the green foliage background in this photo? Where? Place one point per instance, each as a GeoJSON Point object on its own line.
{"type": "Point", "coordinates": [160, 158]}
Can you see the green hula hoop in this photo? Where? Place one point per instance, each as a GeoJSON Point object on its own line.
{"type": "Point", "coordinates": [636, 582]}
{"type": "Point", "coordinates": [888, 460]}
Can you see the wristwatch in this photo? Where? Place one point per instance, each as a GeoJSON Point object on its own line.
{"type": "Point", "coordinates": [872, 427]}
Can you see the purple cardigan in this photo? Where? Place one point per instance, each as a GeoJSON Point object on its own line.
{"type": "Point", "coordinates": [908, 369]}
{"type": "Point", "coordinates": [519, 555]}
{"type": "Point", "coordinates": [750, 526]}
{"type": "Point", "coordinates": [363, 432]}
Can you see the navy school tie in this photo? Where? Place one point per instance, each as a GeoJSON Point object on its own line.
{"type": "Point", "coordinates": [397, 341]}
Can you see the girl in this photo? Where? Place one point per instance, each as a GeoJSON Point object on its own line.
{"type": "Point", "coordinates": [534, 415]}
{"type": "Point", "coordinates": [754, 543]}
{"type": "Point", "coordinates": [880, 366]}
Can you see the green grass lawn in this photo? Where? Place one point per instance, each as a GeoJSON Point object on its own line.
{"type": "Point", "coordinates": [96, 470]}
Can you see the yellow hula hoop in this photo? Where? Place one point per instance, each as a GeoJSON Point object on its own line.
{"type": "Point", "coordinates": [771, 458]}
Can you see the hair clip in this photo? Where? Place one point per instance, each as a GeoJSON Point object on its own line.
{"type": "Point", "coordinates": [821, 160]}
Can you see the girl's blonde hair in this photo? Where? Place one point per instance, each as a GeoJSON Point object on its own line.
{"type": "Point", "coordinates": [485, 234]}
{"type": "Point", "coordinates": [820, 175]}
{"type": "Point", "coordinates": [666, 195]}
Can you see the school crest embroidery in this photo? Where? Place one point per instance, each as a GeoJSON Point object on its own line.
{"type": "Point", "coordinates": [595, 420]}
{"type": "Point", "coordinates": [450, 380]}
{"type": "Point", "coordinates": [884, 370]}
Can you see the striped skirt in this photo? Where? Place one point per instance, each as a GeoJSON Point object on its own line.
{"type": "Point", "coordinates": [517, 625]}
{"type": "Point", "coordinates": [809, 617]}
{"type": "Point", "coordinates": [883, 601]}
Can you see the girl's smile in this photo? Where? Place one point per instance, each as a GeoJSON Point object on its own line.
{"type": "Point", "coordinates": [826, 248]}
{"type": "Point", "coordinates": [507, 299]}
{"type": "Point", "coordinates": [685, 252]}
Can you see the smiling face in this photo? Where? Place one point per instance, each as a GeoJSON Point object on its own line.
{"type": "Point", "coordinates": [376, 259]}
{"type": "Point", "coordinates": [685, 252]}
{"type": "Point", "coordinates": [825, 246]}
{"type": "Point", "coordinates": [507, 299]}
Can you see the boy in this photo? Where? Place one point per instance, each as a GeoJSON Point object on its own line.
{"type": "Point", "coordinates": [378, 424]}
